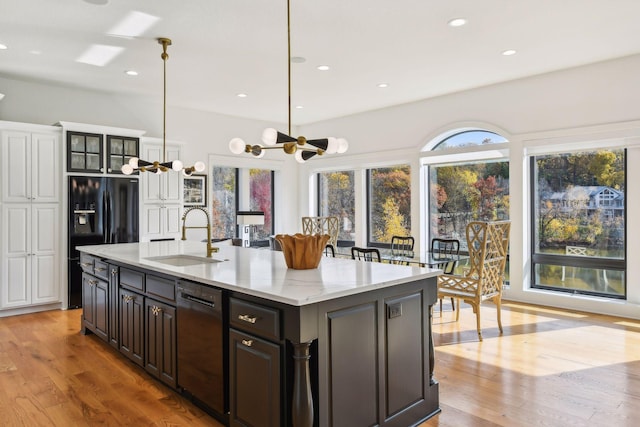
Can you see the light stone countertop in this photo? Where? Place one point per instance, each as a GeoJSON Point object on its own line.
{"type": "Point", "coordinates": [263, 272]}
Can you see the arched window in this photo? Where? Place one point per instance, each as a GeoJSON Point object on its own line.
{"type": "Point", "coordinates": [469, 138]}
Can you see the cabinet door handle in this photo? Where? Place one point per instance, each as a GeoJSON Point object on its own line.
{"type": "Point", "coordinates": [114, 272]}
{"type": "Point", "coordinates": [247, 343]}
{"type": "Point", "coordinates": [127, 298]}
{"type": "Point", "coordinates": [247, 318]}
{"type": "Point", "coordinates": [156, 310]}
{"type": "Point", "coordinates": [93, 282]}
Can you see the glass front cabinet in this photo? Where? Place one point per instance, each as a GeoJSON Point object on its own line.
{"type": "Point", "coordinates": [86, 152]}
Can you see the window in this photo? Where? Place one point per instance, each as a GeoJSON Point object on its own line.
{"type": "Point", "coordinates": [261, 199]}
{"type": "Point", "coordinates": [465, 192]}
{"type": "Point", "coordinates": [223, 202]}
{"type": "Point", "coordinates": [469, 138]}
{"type": "Point", "coordinates": [336, 197]}
{"type": "Point", "coordinates": [578, 214]}
{"type": "Point", "coordinates": [230, 186]}
{"type": "Point", "coordinates": [389, 204]}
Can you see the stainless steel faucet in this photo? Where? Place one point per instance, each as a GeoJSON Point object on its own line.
{"type": "Point", "coordinates": [210, 249]}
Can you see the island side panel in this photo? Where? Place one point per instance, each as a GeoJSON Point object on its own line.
{"type": "Point", "coordinates": [375, 357]}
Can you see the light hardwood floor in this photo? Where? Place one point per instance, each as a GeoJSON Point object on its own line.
{"type": "Point", "coordinates": [550, 368]}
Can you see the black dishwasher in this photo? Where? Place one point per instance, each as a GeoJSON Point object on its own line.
{"type": "Point", "coordinates": [201, 342]}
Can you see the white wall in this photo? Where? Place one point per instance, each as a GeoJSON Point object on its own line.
{"type": "Point", "coordinates": [589, 103]}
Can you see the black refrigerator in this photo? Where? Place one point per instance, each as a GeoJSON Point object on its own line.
{"type": "Point", "coordinates": [102, 210]}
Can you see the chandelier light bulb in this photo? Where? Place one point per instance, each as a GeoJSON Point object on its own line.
{"type": "Point", "coordinates": [298, 157]}
{"type": "Point", "coordinates": [199, 166]}
{"type": "Point", "coordinates": [126, 169]}
{"type": "Point", "coordinates": [343, 145]}
{"type": "Point", "coordinates": [133, 162]}
{"type": "Point", "coordinates": [332, 145]}
{"type": "Point", "coordinates": [270, 136]}
{"type": "Point", "coordinates": [177, 165]}
{"type": "Point", "coordinates": [237, 146]}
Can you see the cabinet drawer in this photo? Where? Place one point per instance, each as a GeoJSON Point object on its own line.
{"type": "Point", "coordinates": [163, 288]}
{"type": "Point", "coordinates": [86, 262]}
{"type": "Point", "coordinates": [255, 318]}
{"type": "Point", "coordinates": [132, 279]}
{"type": "Point", "coordinates": [101, 269]}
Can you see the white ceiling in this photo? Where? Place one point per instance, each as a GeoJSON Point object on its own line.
{"type": "Point", "coordinates": [225, 47]}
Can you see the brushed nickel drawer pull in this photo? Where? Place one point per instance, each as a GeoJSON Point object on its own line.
{"type": "Point", "coordinates": [86, 264]}
{"type": "Point", "coordinates": [248, 343]}
{"type": "Point", "coordinates": [99, 269]}
{"type": "Point", "coordinates": [247, 318]}
{"type": "Point", "coordinates": [156, 310]}
{"type": "Point", "coordinates": [93, 282]}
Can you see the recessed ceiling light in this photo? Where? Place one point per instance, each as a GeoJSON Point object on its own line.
{"type": "Point", "coordinates": [241, 95]}
{"type": "Point", "coordinates": [297, 60]}
{"type": "Point", "coordinates": [383, 85]}
{"type": "Point", "coordinates": [509, 52]}
{"type": "Point", "coordinates": [131, 73]}
{"type": "Point", "coordinates": [323, 67]}
{"type": "Point", "coordinates": [299, 107]}
{"type": "Point", "coordinates": [3, 46]}
{"type": "Point", "coordinates": [457, 22]}
{"type": "Point", "coordinates": [35, 52]}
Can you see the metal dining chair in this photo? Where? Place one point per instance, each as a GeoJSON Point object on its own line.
{"type": "Point", "coordinates": [365, 254]}
{"type": "Point", "coordinates": [445, 248]}
{"type": "Point", "coordinates": [329, 251]}
{"type": "Point", "coordinates": [401, 247]}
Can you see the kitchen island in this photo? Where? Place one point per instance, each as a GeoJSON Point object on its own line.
{"type": "Point", "coordinates": [346, 344]}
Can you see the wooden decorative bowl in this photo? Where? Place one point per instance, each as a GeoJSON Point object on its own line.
{"type": "Point", "coordinates": [302, 251]}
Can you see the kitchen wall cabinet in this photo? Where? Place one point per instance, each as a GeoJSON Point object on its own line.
{"type": "Point", "coordinates": [30, 215]}
{"type": "Point", "coordinates": [30, 254]}
{"type": "Point", "coordinates": [161, 197]}
{"type": "Point", "coordinates": [30, 166]}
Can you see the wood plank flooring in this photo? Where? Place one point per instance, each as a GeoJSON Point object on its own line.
{"type": "Point", "coordinates": [550, 368]}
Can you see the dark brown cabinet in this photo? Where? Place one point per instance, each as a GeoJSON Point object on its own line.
{"type": "Point", "coordinates": [254, 364]}
{"type": "Point", "coordinates": [132, 325]}
{"type": "Point", "coordinates": [95, 314]}
{"type": "Point", "coordinates": [160, 341]}
{"type": "Point", "coordinates": [254, 377]}
{"type": "Point", "coordinates": [114, 330]}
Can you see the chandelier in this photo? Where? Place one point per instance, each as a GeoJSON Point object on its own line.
{"type": "Point", "coordinates": [302, 148]}
{"type": "Point", "coordinates": [137, 164]}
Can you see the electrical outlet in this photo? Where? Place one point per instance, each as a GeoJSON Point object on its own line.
{"type": "Point", "coordinates": [395, 310]}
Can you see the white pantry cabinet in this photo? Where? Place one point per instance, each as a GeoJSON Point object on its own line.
{"type": "Point", "coordinates": [161, 196]}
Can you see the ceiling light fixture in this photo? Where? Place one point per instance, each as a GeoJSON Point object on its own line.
{"type": "Point", "coordinates": [457, 22]}
{"type": "Point", "coordinates": [323, 67]}
{"type": "Point", "coordinates": [509, 52]}
{"type": "Point", "coordinates": [158, 167]}
{"type": "Point", "coordinates": [131, 73]}
{"type": "Point", "coordinates": [301, 147]}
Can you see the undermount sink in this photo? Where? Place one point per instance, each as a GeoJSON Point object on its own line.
{"type": "Point", "coordinates": [183, 260]}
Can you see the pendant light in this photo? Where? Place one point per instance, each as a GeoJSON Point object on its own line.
{"type": "Point", "coordinates": [158, 167]}
{"type": "Point", "coordinates": [303, 149]}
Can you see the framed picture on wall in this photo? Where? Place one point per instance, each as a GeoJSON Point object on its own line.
{"type": "Point", "coordinates": [194, 191]}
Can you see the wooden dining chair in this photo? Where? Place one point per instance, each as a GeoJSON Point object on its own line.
{"type": "Point", "coordinates": [488, 244]}
{"type": "Point", "coordinates": [401, 247]}
{"type": "Point", "coordinates": [365, 254]}
{"type": "Point", "coordinates": [445, 248]}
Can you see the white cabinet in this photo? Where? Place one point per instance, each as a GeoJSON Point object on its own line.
{"type": "Point", "coordinates": [30, 236]}
{"type": "Point", "coordinates": [30, 166]}
{"type": "Point", "coordinates": [161, 196]}
{"type": "Point", "coordinates": [30, 254]}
